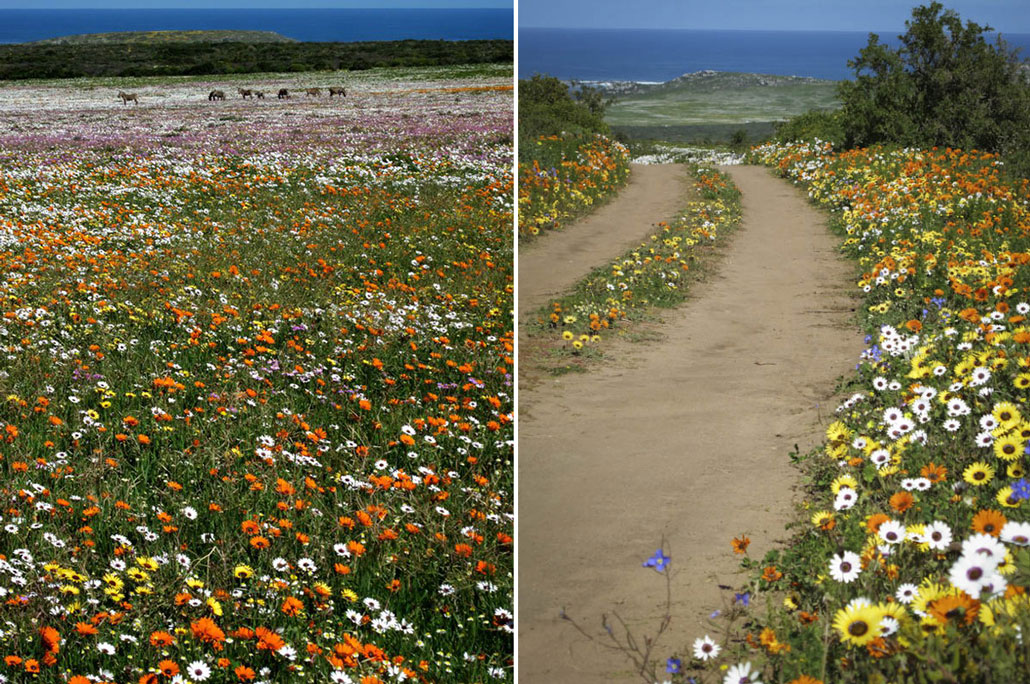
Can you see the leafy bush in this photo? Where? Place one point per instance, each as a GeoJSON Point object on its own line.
{"type": "Point", "coordinates": [827, 126]}
{"type": "Point", "coordinates": [944, 86]}
{"type": "Point", "coordinates": [547, 108]}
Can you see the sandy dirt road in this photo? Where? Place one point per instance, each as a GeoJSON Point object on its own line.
{"type": "Point", "coordinates": [685, 439]}
{"type": "Point", "coordinates": [556, 261]}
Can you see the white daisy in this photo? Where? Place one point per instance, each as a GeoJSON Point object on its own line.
{"type": "Point", "coordinates": [1017, 533]}
{"type": "Point", "coordinates": [845, 567]}
{"type": "Point", "coordinates": [705, 648]}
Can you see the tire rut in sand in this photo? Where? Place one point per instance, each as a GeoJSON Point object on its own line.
{"type": "Point", "coordinates": [686, 439]}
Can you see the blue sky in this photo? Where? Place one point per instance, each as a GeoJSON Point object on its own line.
{"type": "Point", "coordinates": [1007, 16]}
{"type": "Point", "coordinates": [255, 4]}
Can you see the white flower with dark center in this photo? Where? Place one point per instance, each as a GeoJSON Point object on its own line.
{"type": "Point", "coordinates": [845, 567]}
{"type": "Point", "coordinates": [1017, 533]}
{"type": "Point", "coordinates": [906, 593]}
{"type": "Point", "coordinates": [741, 674]}
{"type": "Point", "coordinates": [198, 671]}
{"type": "Point", "coordinates": [951, 425]}
{"type": "Point", "coordinates": [892, 532]}
{"type": "Point", "coordinates": [937, 535]}
{"type": "Point", "coordinates": [705, 648]}
{"type": "Point", "coordinates": [986, 546]}
{"type": "Point", "coordinates": [846, 498]}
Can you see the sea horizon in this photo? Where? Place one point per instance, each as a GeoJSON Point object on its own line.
{"type": "Point", "coordinates": [307, 24]}
{"type": "Point", "coordinates": [660, 55]}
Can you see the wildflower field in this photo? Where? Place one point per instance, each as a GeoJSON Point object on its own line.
{"type": "Point", "coordinates": [653, 274]}
{"type": "Point", "coordinates": [913, 563]}
{"type": "Point", "coordinates": [563, 177]}
{"type": "Point", "coordinates": [256, 385]}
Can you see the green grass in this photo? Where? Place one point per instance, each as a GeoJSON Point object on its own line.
{"type": "Point", "coordinates": [711, 105]}
{"type": "Point", "coordinates": [168, 37]}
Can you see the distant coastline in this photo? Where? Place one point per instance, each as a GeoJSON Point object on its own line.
{"type": "Point", "coordinates": [660, 55]}
{"type": "Point", "coordinates": [309, 25]}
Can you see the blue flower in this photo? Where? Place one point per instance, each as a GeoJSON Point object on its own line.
{"type": "Point", "coordinates": [1021, 488]}
{"type": "Point", "coordinates": [658, 561]}
{"type": "Point", "coordinates": [673, 665]}
{"type": "Point", "coordinates": [743, 599]}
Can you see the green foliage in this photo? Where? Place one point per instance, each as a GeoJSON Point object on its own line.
{"type": "Point", "coordinates": [31, 60]}
{"type": "Point", "coordinates": [945, 85]}
{"type": "Point", "coordinates": [827, 126]}
{"type": "Point", "coordinates": [547, 108]}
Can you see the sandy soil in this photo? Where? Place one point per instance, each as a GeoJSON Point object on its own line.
{"type": "Point", "coordinates": [686, 438]}
{"type": "Point", "coordinates": [558, 260]}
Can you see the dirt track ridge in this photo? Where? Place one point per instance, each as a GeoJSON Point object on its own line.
{"type": "Point", "coordinates": [686, 438]}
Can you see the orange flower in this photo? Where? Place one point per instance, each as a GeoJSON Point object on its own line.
{"type": "Point", "coordinates": [873, 522]}
{"type": "Point", "coordinates": [902, 501]}
{"type": "Point", "coordinates": [805, 679]}
{"type": "Point", "coordinates": [160, 639]}
{"type": "Point", "coordinates": [79, 679]}
{"type": "Point", "coordinates": [292, 606]}
{"type": "Point", "coordinates": [260, 542]}
{"type": "Point", "coordinates": [51, 639]}
{"type": "Point", "coordinates": [740, 544]}
{"type": "Point", "coordinates": [32, 665]}
{"type": "Point", "coordinates": [207, 631]}
{"type": "Point", "coordinates": [244, 673]}
{"type": "Point", "coordinates": [989, 522]}
{"type": "Point", "coordinates": [85, 628]}
{"type": "Point", "coordinates": [771, 574]}
{"type": "Point", "coordinates": [168, 668]}
{"type": "Point", "coordinates": [268, 640]}
{"type": "Point", "coordinates": [934, 472]}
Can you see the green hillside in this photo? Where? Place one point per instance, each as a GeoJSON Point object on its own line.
{"type": "Point", "coordinates": [710, 103]}
{"type": "Point", "coordinates": [157, 37]}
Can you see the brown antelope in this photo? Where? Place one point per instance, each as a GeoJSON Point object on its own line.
{"type": "Point", "coordinates": [259, 94]}
{"type": "Point", "coordinates": [342, 92]}
{"type": "Point", "coordinates": [284, 94]}
{"type": "Point", "coordinates": [245, 93]}
{"type": "Point", "coordinates": [128, 96]}
{"type": "Point", "coordinates": [216, 95]}
{"type": "Point", "coordinates": [313, 92]}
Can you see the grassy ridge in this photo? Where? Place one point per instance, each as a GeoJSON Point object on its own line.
{"type": "Point", "coordinates": [213, 36]}
{"type": "Point", "coordinates": [33, 60]}
{"type": "Point", "coordinates": [713, 105]}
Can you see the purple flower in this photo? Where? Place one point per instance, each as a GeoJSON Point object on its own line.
{"type": "Point", "coordinates": [673, 665]}
{"type": "Point", "coordinates": [743, 598]}
{"type": "Point", "coordinates": [658, 561]}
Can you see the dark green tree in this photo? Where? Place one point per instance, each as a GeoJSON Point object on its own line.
{"type": "Point", "coordinates": [945, 85]}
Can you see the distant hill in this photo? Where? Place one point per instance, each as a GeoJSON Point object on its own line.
{"type": "Point", "coordinates": [157, 37]}
{"type": "Point", "coordinates": [712, 104]}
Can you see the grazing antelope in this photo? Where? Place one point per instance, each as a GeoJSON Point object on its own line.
{"type": "Point", "coordinates": [259, 94]}
{"type": "Point", "coordinates": [313, 92]}
{"type": "Point", "coordinates": [284, 94]}
{"type": "Point", "coordinates": [342, 92]}
{"type": "Point", "coordinates": [216, 95]}
{"type": "Point", "coordinates": [128, 96]}
{"type": "Point", "coordinates": [245, 93]}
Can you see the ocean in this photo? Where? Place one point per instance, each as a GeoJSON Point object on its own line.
{"type": "Point", "coordinates": [322, 25]}
{"type": "Point", "coordinates": [650, 55]}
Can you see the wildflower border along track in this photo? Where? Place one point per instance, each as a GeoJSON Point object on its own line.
{"type": "Point", "coordinates": [914, 564]}
{"type": "Point", "coordinates": [684, 440]}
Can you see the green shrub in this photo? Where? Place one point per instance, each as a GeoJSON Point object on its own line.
{"type": "Point", "coordinates": [944, 86]}
{"type": "Point", "coordinates": [547, 108]}
{"type": "Point", "coordinates": [812, 125]}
